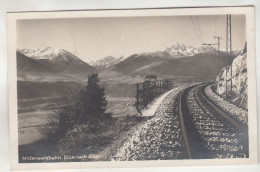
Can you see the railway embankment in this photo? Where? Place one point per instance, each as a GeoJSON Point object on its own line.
{"type": "Point", "coordinates": [158, 138]}
{"type": "Point", "coordinates": [187, 126]}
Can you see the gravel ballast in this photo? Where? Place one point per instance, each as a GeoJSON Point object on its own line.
{"type": "Point", "coordinates": [158, 138]}
{"type": "Point", "coordinates": [234, 111]}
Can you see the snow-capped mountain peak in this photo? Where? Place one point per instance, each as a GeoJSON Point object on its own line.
{"type": "Point", "coordinates": [106, 62]}
{"type": "Point", "coordinates": [179, 49]}
{"type": "Point", "coordinates": [58, 61]}
{"type": "Point", "coordinates": [46, 53]}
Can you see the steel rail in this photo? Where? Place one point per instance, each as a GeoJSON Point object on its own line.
{"type": "Point", "coordinates": [182, 113]}
{"type": "Point", "coordinates": [184, 121]}
{"type": "Point", "coordinates": [221, 112]}
{"type": "Point", "coordinates": [185, 136]}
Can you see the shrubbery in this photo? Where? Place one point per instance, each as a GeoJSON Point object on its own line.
{"type": "Point", "coordinates": [79, 123]}
{"type": "Point", "coordinates": [83, 127]}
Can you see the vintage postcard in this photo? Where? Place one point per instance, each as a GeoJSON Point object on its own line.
{"type": "Point", "coordinates": [132, 88]}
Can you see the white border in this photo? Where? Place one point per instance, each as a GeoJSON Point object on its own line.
{"type": "Point", "coordinates": [11, 28]}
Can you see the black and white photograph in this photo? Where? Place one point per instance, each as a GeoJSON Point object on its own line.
{"type": "Point", "coordinates": [146, 87]}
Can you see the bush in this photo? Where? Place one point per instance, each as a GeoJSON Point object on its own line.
{"type": "Point", "coordinates": [61, 121]}
{"type": "Point", "coordinates": [81, 137]}
{"type": "Point", "coordinates": [76, 138]}
{"type": "Point", "coordinates": [88, 112]}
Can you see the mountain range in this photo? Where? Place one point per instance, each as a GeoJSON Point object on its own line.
{"type": "Point", "coordinates": [106, 62]}
{"type": "Point", "coordinates": [62, 61]}
{"type": "Point", "coordinates": [50, 61]}
{"type": "Point", "coordinates": [178, 60]}
{"type": "Point", "coordinates": [177, 50]}
{"type": "Point", "coordinates": [132, 70]}
{"type": "Point", "coordinates": [45, 70]}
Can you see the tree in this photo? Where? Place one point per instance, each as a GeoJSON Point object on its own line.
{"type": "Point", "coordinates": [93, 100]}
{"type": "Point", "coordinates": [87, 114]}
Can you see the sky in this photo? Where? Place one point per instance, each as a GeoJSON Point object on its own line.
{"type": "Point", "coordinates": [123, 36]}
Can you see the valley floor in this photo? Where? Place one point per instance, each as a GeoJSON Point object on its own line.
{"type": "Point", "coordinates": [113, 139]}
{"type": "Point", "coordinates": [29, 124]}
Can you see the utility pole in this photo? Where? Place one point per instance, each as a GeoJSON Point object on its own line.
{"type": "Point", "coordinates": [218, 38]}
{"type": "Point", "coordinates": [229, 58]}
{"type": "Point", "coordinates": [210, 45]}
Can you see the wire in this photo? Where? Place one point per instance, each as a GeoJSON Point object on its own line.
{"type": "Point", "coordinates": [195, 28]}
{"type": "Point", "coordinates": [200, 28]}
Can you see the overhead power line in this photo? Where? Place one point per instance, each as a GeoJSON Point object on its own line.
{"type": "Point", "coordinates": [215, 25]}
{"type": "Point", "coordinates": [199, 28]}
{"type": "Point", "coordinates": [195, 28]}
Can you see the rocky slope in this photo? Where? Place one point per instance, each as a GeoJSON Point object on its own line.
{"type": "Point", "coordinates": [239, 80]}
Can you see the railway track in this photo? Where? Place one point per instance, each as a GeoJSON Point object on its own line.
{"type": "Point", "coordinates": [208, 131]}
{"type": "Point", "coordinates": [187, 125]}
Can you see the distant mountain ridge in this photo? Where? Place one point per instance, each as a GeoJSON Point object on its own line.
{"type": "Point", "coordinates": [180, 50]}
{"type": "Point", "coordinates": [177, 50]}
{"type": "Point", "coordinates": [46, 53]}
{"type": "Point", "coordinates": [106, 62]}
{"type": "Point", "coordinates": [54, 61]}
{"type": "Point", "coordinates": [120, 79]}
{"type": "Point", "coordinates": [26, 65]}
{"type": "Point", "coordinates": [51, 54]}
{"type": "Point", "coordinates": [198, 65]}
